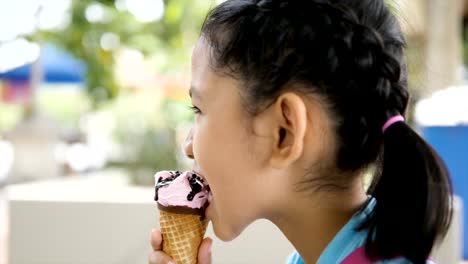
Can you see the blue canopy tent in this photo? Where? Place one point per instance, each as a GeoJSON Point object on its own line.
{"type": "Point", "coordinates": [57, 67]}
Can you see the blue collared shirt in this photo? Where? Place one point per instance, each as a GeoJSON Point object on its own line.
{"type": "Point", "coordinates": [348, 240]}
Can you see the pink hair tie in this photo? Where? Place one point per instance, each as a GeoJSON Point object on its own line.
{"type": "Point", "coordinates": [391, 121]}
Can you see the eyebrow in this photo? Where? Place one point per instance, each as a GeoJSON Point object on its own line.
{"type": "Point", "coordinates": [194, 93]}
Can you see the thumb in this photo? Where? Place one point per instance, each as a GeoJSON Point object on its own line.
{"type": "Point", "coordinates": [204, 252]}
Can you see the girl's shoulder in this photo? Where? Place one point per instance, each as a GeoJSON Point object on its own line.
{"type": "Point", "coordinates": [348, 246]}
{"type": "Point", "coordinates": [295, 258]}
{"type": "Point", "coordinates": [358, 256]}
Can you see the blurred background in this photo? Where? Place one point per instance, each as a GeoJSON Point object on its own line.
{"type": "Point", "coordinates": [94, 100]}
{"type": "Point", "coordinates": [92, 85]}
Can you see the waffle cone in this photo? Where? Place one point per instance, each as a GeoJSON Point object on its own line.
{"type": "Point", "coordinates": [182, 235]}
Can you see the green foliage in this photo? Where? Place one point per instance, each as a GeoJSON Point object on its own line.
{"type": "Point", "coordinates": [169, 38]}
{"type": "Point", "coordinates": [146, 133]}
{"type": "Point", "coordinates": [10, 114]}
{"type": "Point", "coordinates": [63, 104]}
{"type": "Point", "coordinates": [143, 125]}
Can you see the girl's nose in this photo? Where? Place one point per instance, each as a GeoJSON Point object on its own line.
{"type": "Point", "coordinates": [188, 145]}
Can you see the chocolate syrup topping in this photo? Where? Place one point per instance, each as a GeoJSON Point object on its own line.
{"type": "Point", "coordinates": [196, 183]}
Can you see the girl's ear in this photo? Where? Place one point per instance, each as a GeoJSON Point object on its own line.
{"type": "Point", "coordinates": [284, 123]}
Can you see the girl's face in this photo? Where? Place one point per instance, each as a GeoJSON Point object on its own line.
{"type": "Point", "coordinates": [224, 150]}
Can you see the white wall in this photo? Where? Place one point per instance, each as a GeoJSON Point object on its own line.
{"type": "Point", "coordinates": [98, 233]}
{"type": "Point", "coordinates": [93, 222]}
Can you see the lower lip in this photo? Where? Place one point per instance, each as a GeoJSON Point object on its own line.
{"type": "Point", "coordinates": [210, 201]}
{"type": "Point", "coordinates": [207, 215]}
{"type": "Point", "coordinates": [207, 211]}
{"type": "Point", "coordinates": [209, 205]}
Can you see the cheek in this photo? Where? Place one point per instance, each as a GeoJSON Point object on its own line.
{"type": "Point", "coordinates": [211, 143]}
{"type": "Point", "coordinates": [224, 158]}
{"type": "Point", "coordinates": [225, 154]}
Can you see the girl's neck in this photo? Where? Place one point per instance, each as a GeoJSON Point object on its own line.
{"type": "Point", "coordinates": [310, 223]}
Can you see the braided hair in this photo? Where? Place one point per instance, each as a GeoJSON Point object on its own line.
{"type": "Point", "coordinates": [349, 53]}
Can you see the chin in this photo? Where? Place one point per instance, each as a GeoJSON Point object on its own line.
{"type": "Point", "coordinates": [224, 232]}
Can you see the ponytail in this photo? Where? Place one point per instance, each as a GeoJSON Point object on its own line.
{"type": "Point", "coordinates": [414, 198]}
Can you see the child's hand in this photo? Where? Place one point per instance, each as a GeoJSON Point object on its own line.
{"type": "Point", "coordinates": [159, 257]}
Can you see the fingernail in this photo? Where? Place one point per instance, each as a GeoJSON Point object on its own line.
{"type": "Point", "coordinates": [152, 230]}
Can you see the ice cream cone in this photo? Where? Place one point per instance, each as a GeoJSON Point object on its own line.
{"type": "Point", "coordinates": [182, 199]}
{"type": "Point", "coordinates": [182, 235]}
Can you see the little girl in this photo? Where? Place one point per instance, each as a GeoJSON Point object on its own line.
{"type": "Point", "coordinates": [296, 101]}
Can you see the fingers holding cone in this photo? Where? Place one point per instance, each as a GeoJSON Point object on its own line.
{"type": "Point", "coordinates": [157, 256]}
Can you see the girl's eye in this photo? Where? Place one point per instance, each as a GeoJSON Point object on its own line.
{"type": "Point", "coordinates": [195, 109]}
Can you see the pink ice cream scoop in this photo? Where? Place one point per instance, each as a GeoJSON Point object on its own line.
{"type": "Point", "coordinates": [180, 189]}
